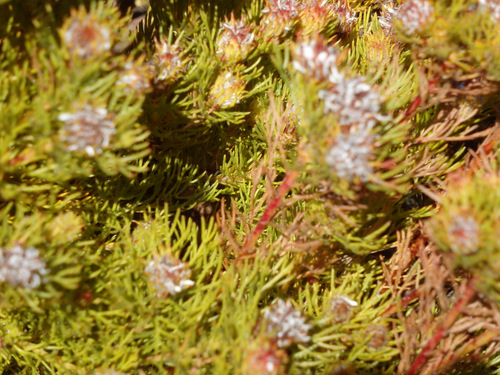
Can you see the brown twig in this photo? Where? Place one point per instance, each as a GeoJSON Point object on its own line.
{"type": "Point", "coordinates": [449, 319]}
{"type": "Point", "coordinates": [484, 338]}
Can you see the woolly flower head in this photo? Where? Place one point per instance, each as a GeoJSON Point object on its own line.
{"type": "Point", "coordinates": [342, 307]}
{"type": "Point", "coordinates": [22, 266]}
{"type": "Point", "coordinates": [285, 325]}
{"type": "Point", "coordinates": [414, 15]}
{"type": "Point", "coordinates": [318, 60]}
{"type": "Point", "coordinates": [65, 227]}
{"type": "Point", "coordinates": [282, 9]}
{"type": "Point", "coordinates": [280, 14]}
{"type": "Point", "coordinates": [167, 61]}
{"type": "Point", "coordinates": [87, 130]}
{"type": "Point", "coordinates": [492, 7]}
{"type": "Point", "coordinates": [85, 35]}
{"type": "Point", "coordinates": [345, 15]}
{"type": "Point", "coordinates": [315, 15]}
{"type": "Point", "coordinates": [379, 336]}
{"type": "Point", "coordinates": [353, 101]}
{"type": "Point", "coordinates": [350, 155]}
{"type": "Point", "coordinates": [134, 79]}
{"type": "Point", "coordinates": [168, 275]}
{"type": "Point", "coordinates": [235, 40]}
{"type": "Point", "coordinates": [386, 18]}
{"type": "Point", "coordinates": [227, 90]}
{"type": "Point", "coordinates": [463, 234]}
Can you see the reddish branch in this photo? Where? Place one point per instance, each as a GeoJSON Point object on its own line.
{"type": "Point", "coordinates": [405, 301]}
{"type": "Point", "coordinates": [449, 319]}
{"type": "Point", "coordinates": [268, 214]}
{"type": "Point", "coordinates": [412, 109]}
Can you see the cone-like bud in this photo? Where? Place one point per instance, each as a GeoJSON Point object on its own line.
{"type": "Point", "coordinates": [315, 15]}
{"type": "Point", "coordinates": [227, 90]}
{"type": "Point", "coordinates": [279, 16]}
{"type": "Point", "coordinates": [65, 227]}
{"type": "Point", "coordinates": [167, 62]}
{"type": "Point", "coordinates": [84, 34]}
{"type": "Point", "coordinates": [88, 129]}
{"type": "Point", "coordinates": [262, 358]}
{"type": "Point", "coordinates": [168, 275]}
{"type": "Point", "coordinates": [134, 79]}
{"type": "Point", "coordinates": [342, 308]}
{"type": "Point", "coordinates": [285, 325]}
{"type": "Point", "coordinates": [235, 40]}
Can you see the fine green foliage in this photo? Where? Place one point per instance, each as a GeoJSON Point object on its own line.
{"type": "Point", "coordinates": [249, 187]}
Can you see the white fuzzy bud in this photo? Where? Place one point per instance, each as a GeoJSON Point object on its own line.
{"type": "Point", "coordinates": [168, 275]}
{"type": "Point", "coordinates": [87, 130]}
{"type": "Point", "coordinates": [285, 324]}
{"type": "Point", "coordinates": [22, 266]}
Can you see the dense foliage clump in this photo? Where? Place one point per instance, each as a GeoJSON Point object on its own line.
{"type": "Point", "coordinates": [249, 187]}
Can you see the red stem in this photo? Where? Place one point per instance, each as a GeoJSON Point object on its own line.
{"type": "Point", "coordinates": [271, 208]}
{"type": "Point", "coordinates": [447, 323]}
{"type": "Point", "coordinates": [412, 109]}
{"type": "Point", "coordinates": [405, 301]}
